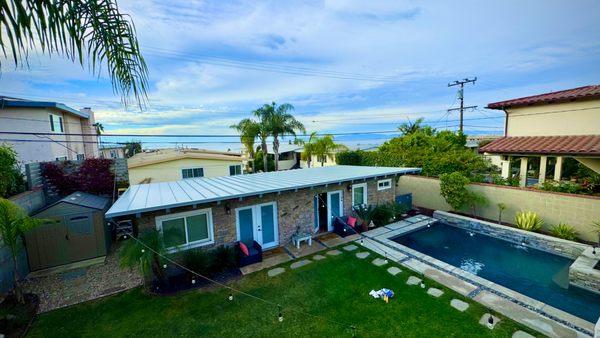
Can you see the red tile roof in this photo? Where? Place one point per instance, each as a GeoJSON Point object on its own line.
{"type": "Point", "coordinates": [585, 92]}
{"type": "Point", "coordinates": [556, 145]}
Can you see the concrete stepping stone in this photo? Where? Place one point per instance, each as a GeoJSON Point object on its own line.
{"type": "Point", "coordinates": [393, 270]}
{"type": "Point", "coordinates": [412, 280]}
{"type": "Point", "coordinates": [459, 305]}
{"type": "Point", "coordinates": [298, 264]}
{"type": "Point", "coordinates": [318, 257]}
{"type": "Point", "coordinates": [350, 247]}
{"type": "Point", "coordinates": [362, 255]}
{"type": "Point", "coordinates": [435, 292]}
{"type": "Point", "coordinates": [521, 334]}
{"type": "Point", "coordinates": [485, 321]}
{"type": "Point", "coordinates": [275, 272]}
{"type": "Point", "coordinates": [334, 252]}
{"type": "Point", "coordinates": [379, 262]}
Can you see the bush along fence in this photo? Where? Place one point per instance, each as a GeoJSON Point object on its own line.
{"type": "Point", "coordinates": [61, 178]}
{"type": "Point", "coordinates": [578, 211]}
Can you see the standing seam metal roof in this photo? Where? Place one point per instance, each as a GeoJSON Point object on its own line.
{"type": "Point", "coordinates": [156, 196]}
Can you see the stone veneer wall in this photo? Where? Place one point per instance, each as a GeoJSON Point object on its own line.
{"type": "Point", "coordinates": [550, 244]}
{"type": "Point", "coordinates": [294, 209]}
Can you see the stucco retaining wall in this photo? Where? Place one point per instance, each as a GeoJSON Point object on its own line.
{"type": "Point", "coordinates": [579, 211]}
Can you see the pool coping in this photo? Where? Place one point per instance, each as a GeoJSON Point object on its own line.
{"type": "Point", "coordinates": [466, 283]}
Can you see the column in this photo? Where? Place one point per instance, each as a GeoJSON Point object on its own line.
{"type": "Point", "coordinates": [543, 162]}
{"type": "Point", "coordinates": [506, 168]}
{"type": "Point", "coordinates": [523, 172]}
{"type": "Point", "coordinates": [558, 168]}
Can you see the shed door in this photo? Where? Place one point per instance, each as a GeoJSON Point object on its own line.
{"type": "Point", "coordinates": [73, 239]}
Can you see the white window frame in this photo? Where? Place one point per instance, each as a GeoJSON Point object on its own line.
{"type": "Point", "coordinates": [365, 194]}
{"type": "Point", "coordinates": [82, 157]}
{"type": "Point", "coordinates": [61, 158]}
{"type": "Point", "coordinates": [236, 165]}
{"type": "Point", "coordinates": [387, 184]}
{"type": "Point", "coordinates": [189, 245]}
{"type": "Point", "coordinates": [53, 118]}
{"type": "Point", "coordinates": [182, 169]}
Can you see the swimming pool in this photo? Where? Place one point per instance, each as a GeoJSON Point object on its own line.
{"type": "Point", "coordinates": [534, 273]}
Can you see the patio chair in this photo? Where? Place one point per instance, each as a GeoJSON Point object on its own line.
{"type": "Point", "coordinates": [342, 228]}
{"type": "Point", "coordinates": [254, 254]}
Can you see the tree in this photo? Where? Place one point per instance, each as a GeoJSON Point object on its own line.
{"type": "Point", "coordinates": [14, 223]}
{"type": "Point", "coordinates": [249, 130]}
{"type": "Point", "coordinates": [132, 147]}
{"type": "Point", "coordinates": [279, 123]}
{"type": "Point", "coordinates": [78, 30]}
{"type": "Point", "coordinates": [11, 178]}
{"type": "Point", "coordinates": [309, 148]}
{"type": "Point", "coordinates": [99, 128]}
{"type": "Point", "coordinates": [145, 253]}
{"type": "Point", "coordinates": [410, 127]}
{"type": "Point", "coordinates": [324, 147]}
{"type": "Point", "coordinates": [453, 187]}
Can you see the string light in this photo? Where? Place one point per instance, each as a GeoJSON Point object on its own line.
{"type": "Point", "coordinates": [143, 250]}
{"type": "Point", "coordinates": [422, 285]}
{"type": "Point", "coordinates": [193, 280]}
{"type": "Point", "coordinates": [164, 266]}
{"type": "Point", "coordinates": [353, 331]}
{"type": "Point", "coordinates": [279, 315]}
{"type": "Point", "coordinates": [230, 296]}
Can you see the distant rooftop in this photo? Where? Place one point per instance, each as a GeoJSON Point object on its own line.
{"type": "Point", "coordinates": [588, 145]}
{"type": "Point", "coordinates": [157, 196]}
{"type": "Point", "coordinates": [579, 93]}
{"type": "Point", "coordinates": [14, 102]}
{"type": "Point", "coordinates": [171, 154]}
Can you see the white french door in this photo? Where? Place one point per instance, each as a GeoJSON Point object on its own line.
{"type": "Point", "coordinates": [258, 223]}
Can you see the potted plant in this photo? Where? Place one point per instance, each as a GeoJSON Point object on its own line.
{"type": "Point", "coordinates": [365, 214]}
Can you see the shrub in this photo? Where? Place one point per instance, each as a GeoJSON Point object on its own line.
{"type": "Point", "coordinates": [223, 258]}
{"type": "Point", "coordinates": [382, 214]}
{"type": "Point", "coordinates": [94, 176]}
{"type": "Point", "coordinates": [11, 178]}
{"type": "Point", "coordinates": [364, 213]}
{"type": "Point", "coordinates": [528, 220]}
{"type": "Point", "coordinates": [453, 187]}
{"type": "Point", "coordinates": [565, 231]}
{"type": "Point", "coordinates": [197, 260]}
{"type": "Point", "coordinates": [562, 186]}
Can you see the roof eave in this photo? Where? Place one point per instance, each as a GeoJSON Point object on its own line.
{"type": "Point", "coordinates": [269, 191]}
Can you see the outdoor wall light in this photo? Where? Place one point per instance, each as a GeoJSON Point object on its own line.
{"type": "Point", "coordinates": [349, 187]}
{"type": "Point", "coordinates": [227, 209]}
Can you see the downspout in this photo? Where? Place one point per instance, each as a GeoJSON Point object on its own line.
{"type": "Point", "coordinates": [505, 122]}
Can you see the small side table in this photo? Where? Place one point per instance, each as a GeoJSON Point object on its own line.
{"type": "Point", "coordinates": [301, 237]}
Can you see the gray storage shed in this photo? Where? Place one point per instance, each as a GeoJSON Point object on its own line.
{"type": "Point", "coordinates": [79, 234]}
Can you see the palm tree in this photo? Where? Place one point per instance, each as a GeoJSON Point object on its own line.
{"type": "Point", "coordinates": [309, 148]}
{"type": "Point", "coordinates": [325, 146]}
{"type": "Point", "coordinates": [249, 130]}
{"type": "Point", "coordinates": [145, 252]}
{"type": "Point", "coordinates": [14, 223]}
{"type": "Point", "coordinates": [77, 29]}
{"type": "Point", "coordinates": [99, 128]}
{"type": "Point", "coordinates": [280, 123]}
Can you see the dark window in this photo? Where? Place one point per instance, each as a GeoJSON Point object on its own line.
{"type": "Point", "coordinates": [80, 157]}
{"type": "Point", "coordinates": [192, 172]}
{"type": "Point", "coordinates": [235, 170]}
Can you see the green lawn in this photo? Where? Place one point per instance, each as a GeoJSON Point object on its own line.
{"type": "Point", "coordinates": [335, 288]}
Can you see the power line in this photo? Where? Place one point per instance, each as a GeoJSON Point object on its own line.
{"type": "Point", "coordinates": [190, 135]}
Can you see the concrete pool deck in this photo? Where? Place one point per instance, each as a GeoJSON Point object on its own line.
{"type": "Point", "coordinates": [523, 309]}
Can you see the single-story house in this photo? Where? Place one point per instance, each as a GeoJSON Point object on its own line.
{"type": "Point", "coordinates": [266, 207]}
{"type": "Point", "coordinates": [167, 165]}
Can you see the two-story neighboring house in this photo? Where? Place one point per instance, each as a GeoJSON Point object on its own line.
{"type": "Point", "coordinates": [168, 165]}
{"type": "Point", "coordinates": [549, 128]}
{"type": "Point", "coordinates": [54, 122]}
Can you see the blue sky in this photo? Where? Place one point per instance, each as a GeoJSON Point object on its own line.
{"type": "Point", "coordinates": [368, 66]}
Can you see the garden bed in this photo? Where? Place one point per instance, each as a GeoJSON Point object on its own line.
{"type": "Point", "coordinates": [183, 282]}
{"type": "Point", "coordinates": [16, 318]}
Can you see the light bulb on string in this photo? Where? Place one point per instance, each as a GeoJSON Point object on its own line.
{"type": "Point", "coordinates": [230, 296]}
{"type": "Point", "coordinates": [194, 281]}
{"type": "Point", "coordinates": [164, 266]}
{"type": "Point", "coordinates": [353, 331]}
{"type": "Point", "coordinates": [279, 315]}
{"type": "Point", "coordinates": [143, 250]}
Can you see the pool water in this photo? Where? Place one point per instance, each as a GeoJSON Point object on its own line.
{"type": "Point", "coordinates": [534, 273]}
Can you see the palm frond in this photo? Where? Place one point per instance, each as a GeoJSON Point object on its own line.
{"type": "Point", "coordinates": [80, 30]}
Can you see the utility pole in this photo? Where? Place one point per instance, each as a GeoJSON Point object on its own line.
{"type": "Point", "coordinates": [461, 97]}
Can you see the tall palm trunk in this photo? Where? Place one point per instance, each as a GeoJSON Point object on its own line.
{"type": "Point", "coordinates": [276, 151]}
{"type": "Point", "coordinates": [265, 154]}
{"type": "Point", "coordinates": [16, 283]}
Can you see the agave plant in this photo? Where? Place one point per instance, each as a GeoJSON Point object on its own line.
{"type": "Point", "coordinates": [563, 230]}
{"type": "Point", "coordinates": [364, 213]}
{"type": "Point", "coordinates": [528, 220]}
